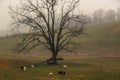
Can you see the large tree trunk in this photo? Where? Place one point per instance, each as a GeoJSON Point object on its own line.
{"type": "Point", "coordinates": [54, 58]}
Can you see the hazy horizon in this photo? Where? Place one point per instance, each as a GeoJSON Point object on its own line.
{"type": "Point", "coordinates": [86, 7]}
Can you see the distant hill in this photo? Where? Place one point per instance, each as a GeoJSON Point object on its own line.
{"type": "Point", "coordinates": [5, 33]}
{"type": "Point", "coordinates": [9, 32]}
{"type": "Point", "coordinates": [102, 37]}
{"type": "Point", "coordinates": [104, 28]}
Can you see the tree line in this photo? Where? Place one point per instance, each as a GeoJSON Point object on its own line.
{"type": "Point", "coordinates": [101, 15]}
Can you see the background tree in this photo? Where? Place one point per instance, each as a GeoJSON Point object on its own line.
{"type": "Point", "coordinates": [110, 15]}
{"type": "Point", "coordinates": [51, 23]}
{"type": "Point", "coordinates": [85, 18]}
{"type": "Point", "coordinates": [118, 13]}
{"type": "Point", "coordinates": [98, 16]}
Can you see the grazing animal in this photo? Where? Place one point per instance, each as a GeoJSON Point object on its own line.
{"type": "Point", "coordinates": [23, 68]}
{"type": "Point", "coordinates": [32, 66]}
{"type": "Point", "coordinates": [50, 74]}
{"type": "Point", "coordinates": [65, 66]}
{"type": "Point", "coordinates": [61, 73]}
{"type": "Point", "coordinates": [49, 62]}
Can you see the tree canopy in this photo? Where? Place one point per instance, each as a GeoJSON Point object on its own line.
{"type": "Point", "coordinates": [51, 23]}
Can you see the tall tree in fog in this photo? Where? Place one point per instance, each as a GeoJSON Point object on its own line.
{"type": "Point", "coordinates": [110, 15]}
{"type": "Point", "coordinates": [98, 15]}
{"type": "Point", "coordinates": [51, 23]}
{"type": "Point", "coordinates": [85, 18]}
{"type": "Point", "coordinates": [118, 14]}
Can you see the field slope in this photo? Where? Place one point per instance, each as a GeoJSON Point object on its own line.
{"type": "Point", "coordinates": [102, 37]}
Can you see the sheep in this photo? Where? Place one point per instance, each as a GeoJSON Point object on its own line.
{"type": "Point", "coordinates": [32, 66]}
{"type": "Point", "coordinates": [50, 74]}
{"type": "Point", "coordinates": [61, 73]}
{"type": "Point", "coordinates": [24, 68]}
{"type": "Point", "coordinates": [65, 66]}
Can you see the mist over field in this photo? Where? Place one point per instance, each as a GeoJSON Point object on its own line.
{"type": "Point", "coordinates": [85, 45]}
{"type": "Point", "coordinates": [85, 7]}
{"type": "Point", "coordinates": [101, 16]}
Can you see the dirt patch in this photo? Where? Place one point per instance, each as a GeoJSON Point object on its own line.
{"type": "Point", "coordinates": [5, 64]}
{"type": "Point", "coordinates": [116, 30]}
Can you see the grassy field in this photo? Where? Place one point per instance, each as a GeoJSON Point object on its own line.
{"type": "Point", "coordinates": [78, 69]}
{"type": "Point", "coordinates": [98, 58]}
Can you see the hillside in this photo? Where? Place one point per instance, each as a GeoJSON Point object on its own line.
{"type": "Point", "coordinates": [7, 44]}
{"type": "Point", "coordinates": [102, 37]}
{"type": "Point", "coordinates": [5, 33]}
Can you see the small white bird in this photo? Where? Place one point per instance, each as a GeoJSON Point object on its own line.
{"type": "Point", "coordinates": [32, 66]}
{"type": "Point", "coordinates": [50, 74]}
{"type": "Point", "coordinates": [65, 66]}
{"type": "Point", "coordinates": [24, 68]}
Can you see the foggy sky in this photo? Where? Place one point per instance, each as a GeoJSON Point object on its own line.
{"type": "Point", "coordinates": [86, 6]}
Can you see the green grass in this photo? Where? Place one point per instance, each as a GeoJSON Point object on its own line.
{"type": "Point", "coordinates": [100, 60]}
{"type": "Point", "coordinates": [78, 69]}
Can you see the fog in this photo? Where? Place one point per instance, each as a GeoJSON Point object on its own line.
{"type": "Point", "coordinates": [86, 7]}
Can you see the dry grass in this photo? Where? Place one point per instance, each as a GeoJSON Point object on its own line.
{"type": "Point", "coordinates": [80, 67]}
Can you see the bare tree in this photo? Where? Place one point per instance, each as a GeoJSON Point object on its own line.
{"type": "Point", "coordinates": [98, 16]}
{"type": "Point", "coordinates": [118, 13]}
{"type": "Point", "coordinates": [51, 23]}
{"type": "Point", "coordinates": [110, 15]}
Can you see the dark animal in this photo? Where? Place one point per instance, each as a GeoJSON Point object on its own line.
{"type": "Point", "coordinates": [22, 67]}
{"type": "Point", "coordinates": [61, 73]}
{"type": "Point", "coordinates": [50, 60]}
